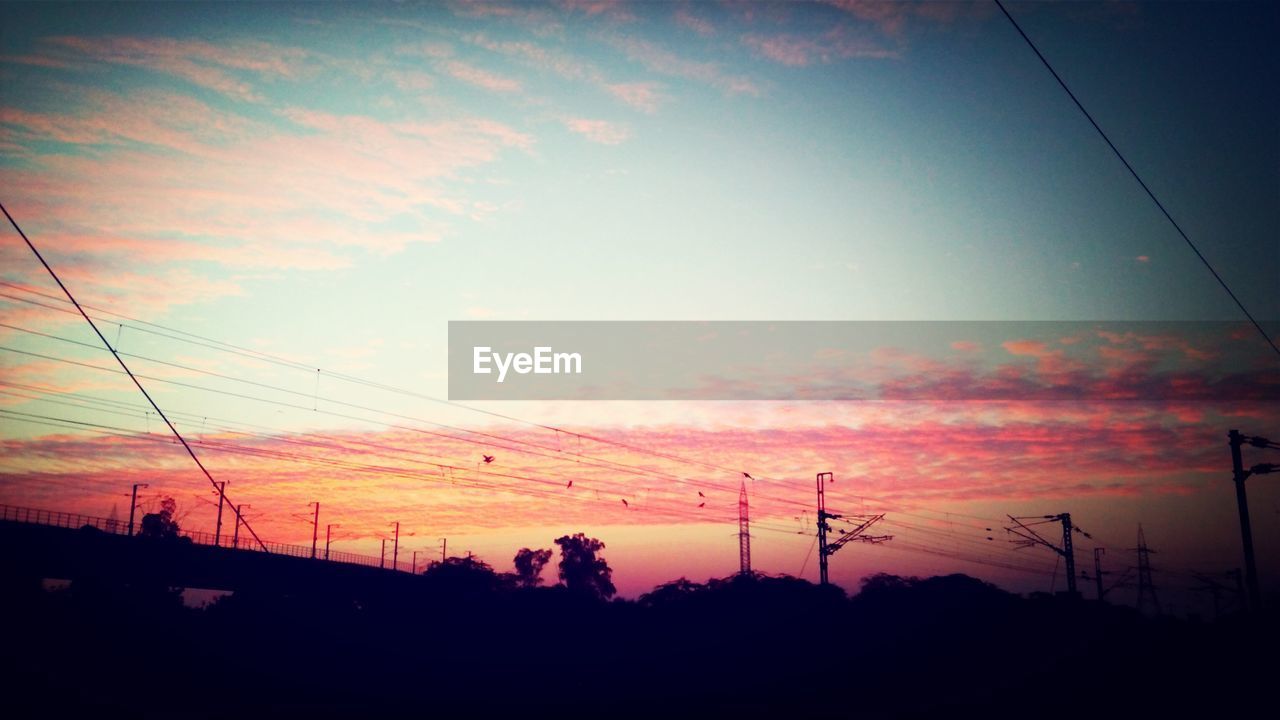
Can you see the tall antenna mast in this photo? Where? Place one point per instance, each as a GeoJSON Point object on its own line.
{"type": "Point", "coordinates": [744, 532]}
{"type": "Point", "coordinates": [1146, 588]}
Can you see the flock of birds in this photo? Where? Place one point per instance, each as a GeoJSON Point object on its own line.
{"type": "Point", "coordinates": [488, 459]}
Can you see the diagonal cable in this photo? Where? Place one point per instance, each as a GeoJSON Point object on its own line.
{"type": "Point", "coordinates": [1137, 177]}
{"type": "Point", "coordinates": [116, 355]}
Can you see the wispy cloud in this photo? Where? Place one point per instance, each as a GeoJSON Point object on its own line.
{"type": "Point", "coordinates": [645, 96]}
{"type": "Point", "coordinates": [178, 185]}
{"type": "Point", "coordinates": [480, 78]}
{"type": "Point", "coordinates": [685, 17]}
{"type": "Point", "coordinates": [893, 18]}
{"type": "Point", "coordinates": [801, 50]}
{"type": "Point", "coordinates": [660, 60]}
{"type": "Point", "coordinates": [444, 59]}
{"type": "Point", "coordinates": [201, 63]}
{"type": "Point", "coordinates": [598, 131]}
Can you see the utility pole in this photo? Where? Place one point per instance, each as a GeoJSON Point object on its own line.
{"type": "Point", "coordinates": [1097, 570]}
{"type": "Point", "coordinates": [823, 527]}
{"type": "Point", "coordinates": [395, 553]}
{"type": "Point", "coordinates": [1028, 537]}
{"type": "Point", "coordinates": [860, 522]}
{"type": "Point", "coordinates": [1069, 552]}
{"type": "Point", "coordinates": [744, 532]}
{"type": "Point", "coordinates": [382, 557]}
{"type": "Point", "coordinates": [414, 569]}
{"type": "Point", "coordinates": [1145, 586]}
{"type": "Point", "coordinates": [235, 536]}
{"type": "Point", "coordinates": [328, 537]}
{"type": "Point", "coordinates": [133, 504]}
{"type": "Point", "coordinates": [1098, 574]}
{"type": "Point", "coordinates": [444, 548]}
{"type": "Point", "coordinates": [222, 495]}
{"type": "Point", "coordinates": [1239, 475]}
{"type": "Point", "coordinates": [315, 529]}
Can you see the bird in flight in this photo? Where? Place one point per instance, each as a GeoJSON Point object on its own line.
{"type": "Point", "coordinates": [487, 459]}
{"type": "Point", "coordinates": [570, 484]}
{"type": "Point", "coordinates": [624, 502]}
{"type": "Point", "coordinates": [700, 494]}
{"type": "Point", "coordinates": [702, 504]}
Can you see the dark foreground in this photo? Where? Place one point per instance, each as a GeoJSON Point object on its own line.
{"type": "Point", "coordinates": [466, 645]}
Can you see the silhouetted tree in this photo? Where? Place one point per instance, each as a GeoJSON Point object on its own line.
{"type": "Point", "coordinates": [671, 593]}
{"type": "Point", "coordinates": [580, 569]}
{"type": "Point", "coordinates": [161, 525]}
{"type": "Point", "coordinates": [470, 574]}
{"type": "Point", "coordinates": [529, 564]}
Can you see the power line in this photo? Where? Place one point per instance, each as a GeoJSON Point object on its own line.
{"type": "Point", "coordinates": [382, 470]}
{"type": "Point", "coordinates": [922, 546]}
{"type": "Point", "coordinates": [898, 507]}
{"type": "Point", "coordinates": [577, 458]}
{"type": "Point", "coordinates": [54, 275]}
{"type": "Point", "coordinates": [451, 468]}
{"type": "Point", "coordinates": [275, 359]}
{"type": "Point", "coordinates": [893, 506]}
{"type": "Point", "coordinates": [400, 450]}
{"type": "Point", "coordinates": [359, 467]}
{"type": "Point", "coordinates": [1135, 175]}
{"type": "Point", "coordinates": [569, 457]}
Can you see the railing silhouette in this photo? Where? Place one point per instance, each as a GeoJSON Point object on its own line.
{"type": "Point", "coordinates": [56, 518]}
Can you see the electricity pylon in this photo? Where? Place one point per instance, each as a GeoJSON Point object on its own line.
{"type": "Point", "coordinates": [860, 525]}
{"type": "Point", "coordinates": [1146, 588]}
{"type": "Point", "coordinates": [1028, 537]}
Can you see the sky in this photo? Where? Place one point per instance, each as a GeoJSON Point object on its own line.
{"type": "Point", "coordinates": [329, 185]}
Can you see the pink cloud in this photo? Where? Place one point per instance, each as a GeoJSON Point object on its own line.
{"type": "Point", "coordinates": [184, 186]}
{"type": "Point", "coordinates": [687, 19]}
{"type": "Point", "coordinates": [540, 57]}
{"type": "Point", "coordinates": [892, 18]}
{"type": "Point", "coordinates": [187, 125]}
{"type": "Point", "coordinates": [791, 51]}
{"type": "Point", "coordinates": [480, 78]}
{"type": "Point", "coordinates": [1029, 348]}
{"type": "Point", "coordinates": [410, 80]}
{"type": "Point", "coordinates": [800, 50]}
{"type": "Point", "coordinates": [613, 9]}
{"type": "Point", "coordinates": [435, 50]}
{"type": "Point", "coordinates": [75, 248]}
{"type": "Point", "coordinates": [198, 62]}
{"type": "Point", "coordinates": [641, 96]}
{"type": "Point", "coordinates": [442, 56]}
{"type": "Point", "coordinates": [1045, 454]}
{"type": "Point", "coordinates": [666, 62]}
{"type": "Point", "coordinates": [598, 131]}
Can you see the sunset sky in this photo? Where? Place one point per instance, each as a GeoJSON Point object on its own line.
{"type": "Point", "coordinates": [266, 204]}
